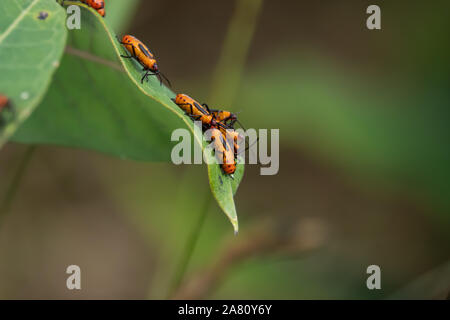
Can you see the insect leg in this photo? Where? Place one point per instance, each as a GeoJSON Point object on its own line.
{"type": "Point", "coordinates": [145, 77]}
{"type": "Point", "coordinates": [134, 52]}
{"type": "Point", "coordinates": [148, 73]}
{"type": "Point", "coordinates": [194, 117]}
{"type": "Point", "coordinates": [125, 44]}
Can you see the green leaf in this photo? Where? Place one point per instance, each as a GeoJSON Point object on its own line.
{"type": "Point", "coordinates": [98, 102]}
{"type": "Point", "coordinates": [30, 52]}
{"type": "Point", "coordinates": [224, 187]}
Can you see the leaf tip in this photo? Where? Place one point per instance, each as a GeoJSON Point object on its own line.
{"type": "Point", "coordinates": [235, 224]}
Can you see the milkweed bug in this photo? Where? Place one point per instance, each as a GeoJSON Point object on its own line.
{"type": "Point", "coordinates": [5, 105]}
{"type": "Point", "coordinates": [230, 135]}
{"type": "Point", "coordinates": [224, 152]}
{"type": "Point", "coordinates": [194, 110]}
{"type": "Point", "coordinates": [225, 117]}
{"type": "Point", "coordinates": [229, 119]}
{"type": "Point", "coordinates": [144, 56]}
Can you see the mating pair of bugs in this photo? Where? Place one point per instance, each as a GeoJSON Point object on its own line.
{"type": "Point", "coordinates": [221, 123]}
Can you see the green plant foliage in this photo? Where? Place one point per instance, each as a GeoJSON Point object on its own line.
{"type": "Point", "coordinates": [32, 39]}
{"type": "Point", "coordinates": [224, 187]}
{"type": "Point", "coordinates": [98, 102]}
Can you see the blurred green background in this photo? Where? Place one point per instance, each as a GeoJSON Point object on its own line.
{"type": "Point", "coordinates": [364, 167]}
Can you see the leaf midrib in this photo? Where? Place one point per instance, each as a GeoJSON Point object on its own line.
{"type": "Point", "coordinates": [84, 55]}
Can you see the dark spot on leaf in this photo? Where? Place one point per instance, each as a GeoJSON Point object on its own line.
{"type": "Point", "coordinates": [220, 179]}
{"type": "Point", "coordinates": [43, 15]}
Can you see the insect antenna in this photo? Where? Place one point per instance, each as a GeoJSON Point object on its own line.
{"type": "Point", "coordinates": [257, 140]}
{"type": "Point", "coordinates": [240, 123]}
{"type": "Point", "coordinates": [165, 78]}
{"type": "Point", "coordinates": [160, 79]}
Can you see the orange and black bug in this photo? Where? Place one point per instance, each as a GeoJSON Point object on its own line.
{"type": "Point", "coordinates": [226, 121]}
{"type": "Point", "coordinates": [225, 117]}
{"type": "Point", "coordinates": [195, 111]}
{"type": "Point", "coordinates": [230, 135]}
{"type": "Point", "coordinates": [229, 119]}
{"type": "Point", "coordinates": [228, 131]}
{"type": "Point", "coordinates": [224, 152]}
{"type": "Point", "coordinates": [144, 56]}
{"type": "Point", "coordinates": [5, 105]}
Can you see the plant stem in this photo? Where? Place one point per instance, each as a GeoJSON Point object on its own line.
{"type": "Point", "coordinates": [5, 205]}
{"type": "Point", "coordinates": [225, 85]}
{"type": "Point", "coordinates": [234, 54]}
{"type": "Point", "coordinates": [190, 246]}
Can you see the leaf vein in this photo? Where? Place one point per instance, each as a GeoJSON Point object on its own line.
{"type": "Point", "coordinates": [17, 21]}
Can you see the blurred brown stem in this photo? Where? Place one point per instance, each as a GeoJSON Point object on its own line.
{"type": "Point", "coordinates": [190, 247]}
{"type": "Point", "coordinates": [266, 239]}
{"type": "Point", "coordinates": [5, 205]}
{"type": "Point", "coordinates": [434, 284]}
